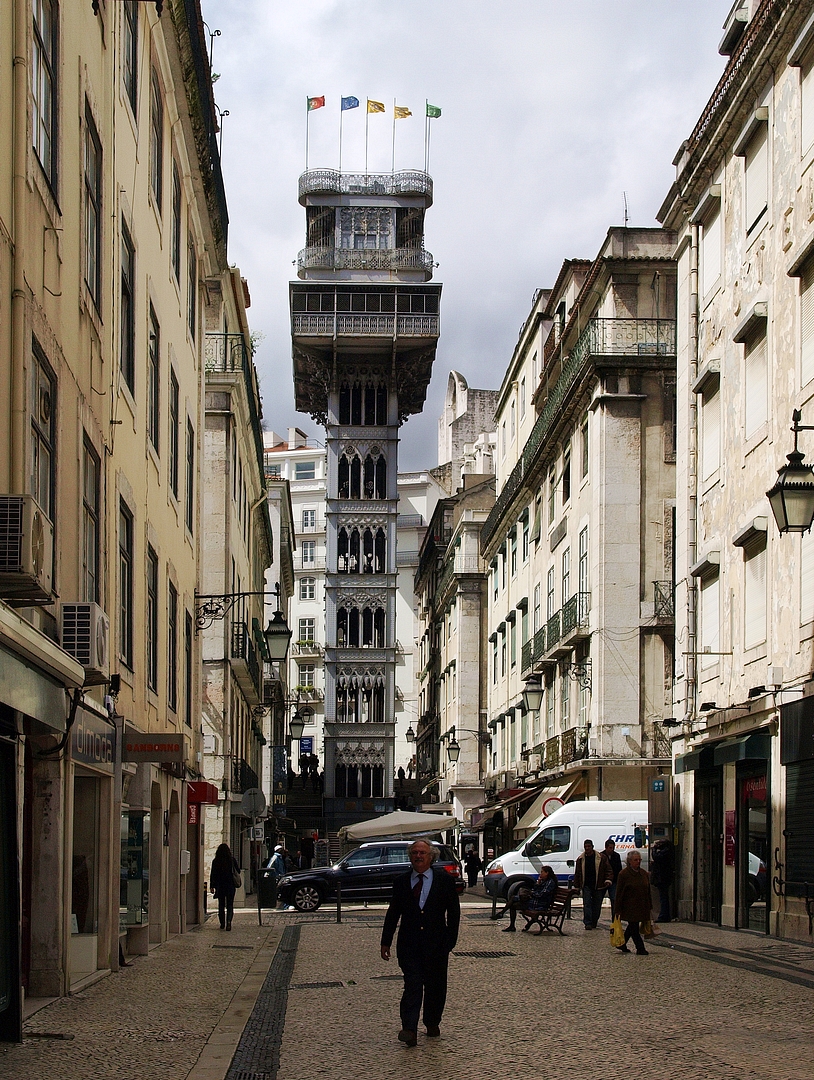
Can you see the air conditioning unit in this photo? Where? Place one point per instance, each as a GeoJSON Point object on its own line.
{"type": "Point", "coordinates": [86, 636]}
{"type": "Point", "coordinates": [26, 551]}
{"type": "Point", "coordinates": [535, 762]}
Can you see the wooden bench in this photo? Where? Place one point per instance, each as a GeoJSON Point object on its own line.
{"type": "Point", "coordinates": [553, 918]}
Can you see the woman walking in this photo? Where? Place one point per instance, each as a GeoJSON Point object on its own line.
{"type": "Point", "coordinates": [633, 901]}
{"type": "Point", "coordinates": [223, 881]}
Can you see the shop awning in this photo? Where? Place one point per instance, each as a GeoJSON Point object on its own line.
{"type": "Point", "coordinates": [200, 791]}
{"type": "Point", "coordinates": [537, 811]}
{"type": "Point", "coordinates": [702, 758]}
{"type": "Point", "coordinates": [752, 747]}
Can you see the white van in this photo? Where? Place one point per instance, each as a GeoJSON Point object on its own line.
{"type": "Point", "coordinates": [560, 837]}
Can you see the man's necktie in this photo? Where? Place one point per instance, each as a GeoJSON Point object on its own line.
{"type": "Point", "coordinates": [417, 888]}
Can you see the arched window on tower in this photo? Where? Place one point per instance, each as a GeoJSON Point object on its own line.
{"type": "Point", "coordinates": [356, 404]}
{"type": "Point", "coordinates": [379, 556]}
{"type": "Point", "coordinates": [342, 551]}
{"type": "Point", "coordinates": [370, 405]}
{"type": "Point", "coordinates": [353, 628]}
{"type": "Point", "coordinates": [354, 561]}
{"type": "Point", "coordinates": [355, 477]}
{"type": "Point", "coordinates": [381, 478]}
{"type": "Point", "coordinates": [343, 487]}
{"type": "Point", "coordinates": [341, 628]}
{"type": "Point", "coordinates": [370, 478]}
{"type": "Point", "coordinates": [381, 405]}
{"type": "Point", "coordinates": [344, 404]}
{"type": "Point", "coordinates": [367, 626]}
{"type": "Point", "coordinates": [367, 560]}
{"type": "Point", "coordinates": [378, 628]}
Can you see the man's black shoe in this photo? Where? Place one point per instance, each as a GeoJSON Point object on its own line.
{"type": "Point", "coordinates": [409, 1038]}
{"type": "Point", "coordinates": [433, 1032]}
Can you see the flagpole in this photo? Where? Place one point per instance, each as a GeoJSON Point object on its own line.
{"type": "Point", "coordinates": [393, 160]}
{"type": "Point", "coordinates": [429, 136]}
{"type": "Point", "coordinates": [426, 129]}
{"type": "Point", "coordinates": [341, 118]}
{"type": "Point", "coordinates": [307, 121]}
{"type": "Point", "coordinates": [367, 122]}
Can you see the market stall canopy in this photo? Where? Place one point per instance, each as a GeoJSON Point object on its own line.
{"type": "Point", "coordinates": [399, 823]}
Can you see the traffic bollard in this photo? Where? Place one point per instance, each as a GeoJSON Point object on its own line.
{"type": "Point", "coordinates": [339, 901]}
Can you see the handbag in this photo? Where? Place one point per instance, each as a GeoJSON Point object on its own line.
{"type": "Point", "coordinates": [236, 878]}
{"type": "Point", "coordinates": [617, 934]}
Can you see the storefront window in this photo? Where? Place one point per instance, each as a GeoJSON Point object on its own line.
{"type": "Point", "coordinates": [85, 886]}
{"type": "Point", "coordinates": [754, 853]}
{"type": "Point", "coordinates": [134, 900]}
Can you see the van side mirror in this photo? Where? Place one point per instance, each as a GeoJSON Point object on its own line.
{"type": "Point", "coordinates": [639, 836]}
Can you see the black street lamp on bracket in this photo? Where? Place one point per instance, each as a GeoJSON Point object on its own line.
{"type": "Point", "coordinates": [792, 497]}
{"type": "Point", "coordinates": [454, 747]}
{"type": "Point", "coordinates": [533, 693]}
{"type": "Point", "coordinates": [213, 607]}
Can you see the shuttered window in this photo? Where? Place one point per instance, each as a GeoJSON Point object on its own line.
{"type": "Point", "coordinates": [756, 385]}
{"type": "Point", "coordinates": [754, 575]}
{"type": "Point", "coordinates": [710, 432]}
{"type": "Point", "coordinates": [710, 251]}
{"type": "Point", "coordinates": [710, 619]}
{"type": "Point", "coordinates": [799, 831]}
{"type": "Point", "coordinates": [756, 175]}
{"type": "Point", "coordinates": [807, 579]}
{"type": "Point", "coordinates": [807, 323]}
{"type": "Point", "coordinates": [807, 108]}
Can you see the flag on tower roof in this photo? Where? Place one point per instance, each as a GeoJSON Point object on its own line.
{"type": "Point", "coordinates": [350, 103]}
{"type": "Point", "coordinates": [316, 103]}
{"type": "Point", "coordinates": [433, 111]}
{"type": "Point", "coordinates": [401, 111]}
{"type": "Point", "coordinates": [375, 106]}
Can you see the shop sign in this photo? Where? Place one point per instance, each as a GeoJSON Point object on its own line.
{"type": "Point", "coordinates": [193, 809]}
{"type": "Point", "coordinates": [156, 746]}
{"type": "Point", "coordinates": [754, 789]}
{"type": "Point", "coordinates": [307, 744]}
{"type": "Point", "coordinates": [729, 838]}
{"type": "Point", "coordinates": [93, 742]}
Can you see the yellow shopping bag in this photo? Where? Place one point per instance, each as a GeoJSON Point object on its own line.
{"type": "Point", "coordinates": [617, 934]}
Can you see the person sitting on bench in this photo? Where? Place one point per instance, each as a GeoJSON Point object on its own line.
{"type": "Point", "coordinates": [534, 902]}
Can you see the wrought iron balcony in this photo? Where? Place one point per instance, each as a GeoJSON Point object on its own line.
{"type": "Point", "coordinates": [350, 325]}
{"type": "Point", "coordinates": [539, 644]}
{"type": "Point", "coordinates": [574, 745]}
{"type": "Point", "coordinates": [306, 648]}
{"type": "Point", "coordinates": [662, 743]}
{"type": "Point", "coordinates": [313, 562]}
{"type": "Point", "coordinates": [526, 655]}
{"type": "Point", "coordinates": [333, 182]}
{"type": "Point", "coordinates": [663, 600]}
{"type": "Point", "coordinates": [243, 776]}
{"type": "Point", "coordinates": [552, 631]}
{"type": "Point", "coordinates": [574, 616]}
{"type": "Point", "coordinates": [334, 258]}
{"type": "Point", "coordinates": [245, 662]}
{"type": "Point", "coordinates": [552, 752]}
{"type": "Point", "coordinates": [317, 526]}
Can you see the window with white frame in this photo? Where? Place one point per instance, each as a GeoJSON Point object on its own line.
{"type": "Point", "coordinates": [305, 470]}
{"type": "Point", "coordinates": [130, 52]}
{"type": "Point", "coordinates": [512, 422]}
{"type": "Point", "coordinates": [565, 699]}
{"type": "Point", "coordinates": [566, 576]}
{"type": "Point", "coordinates": [754, 594]}
{"type": "Point", "coordinates": [306, 674]}
{"type": "Point", "coordinates": [308, 588]}
{"type": "Point", "coordinates": [582, 567]}
{"type": "Point", "coordinates": [309, 519]}
{"type": "Point", "coordinates": [566, 474]}
{"type": "Point", "coordinates": [503, 439]}
{"type": "Point", "coordinates": [307, 630]}
{"type": "Point", "coordinates": [807, 323]}
{"type": "Point", "coordinates": [585, 446]}
{"type": "Point", "coordinates": [538, 611]}
{"type": "Point", "coordinates": [525, 547]}
{"type": "Point", "coordinates": [552, 495]}
{"type": "Point", "coordinates": [494, 659]}
{"type": "Point", "coordinates": [710, 429]}
{"type": "Point", "coordinates": [93, 209]}
{"type": "Point", "coordinates": [522, 397]}
{"type": "Point", "coordinates": [309, 552]}
{"type": "Point", "coordinates": [44, 86]}
{"type": "Point", "coordinates": [756, 175]}
{"type": "Point", "coordinates": [711, 249]}
{"type": "Point", "coordinates": [550, 606]}
{"type": "Point", "coordinates": [551, 706]}
{"type": "Point", "coordinates": [710, 620]}
{"type": "Point", "coordinates": [756, 384]}
{"type": "Point", "coordinates": [156, 139]}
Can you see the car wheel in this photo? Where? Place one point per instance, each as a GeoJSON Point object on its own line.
{"type": "Point", "coordinates": [306, 898]}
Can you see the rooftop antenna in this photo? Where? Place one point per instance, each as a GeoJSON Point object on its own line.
{"type": "Point", "coordinates": [624, 197]}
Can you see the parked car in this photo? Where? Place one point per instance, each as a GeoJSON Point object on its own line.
{"type": "Point", "coordinates": [367, 873]}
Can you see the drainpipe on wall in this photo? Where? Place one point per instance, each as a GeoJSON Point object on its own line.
{"type": "Point", "coordinates": [18, 195]}
{"type": "Point", "coordinates": [692, 491]}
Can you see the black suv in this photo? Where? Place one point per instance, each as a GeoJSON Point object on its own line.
{"type": "Point", "coordinates": [367, 873]}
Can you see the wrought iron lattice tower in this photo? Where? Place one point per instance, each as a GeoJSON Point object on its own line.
{"type": "Point", "coordinates": [364, 328]}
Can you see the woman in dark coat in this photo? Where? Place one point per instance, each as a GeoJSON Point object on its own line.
{"type": "Point", "coordinates": [222, 884]}
{"type": "Point", "coordinates": [473, 866]}
{"type": "Point", "coordinates": [633, 901]}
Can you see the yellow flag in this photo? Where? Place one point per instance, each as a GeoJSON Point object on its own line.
{"type": "Point", "coordinates": [401, 112]}
{"type": "Point", "coordinates": [375, 106]}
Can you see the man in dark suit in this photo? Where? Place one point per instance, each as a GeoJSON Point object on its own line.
{"type": "Point", "coordinates": [427, 903]}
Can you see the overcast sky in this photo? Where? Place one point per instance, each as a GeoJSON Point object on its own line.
{"type": "Point", "coordinates": [551, 110]}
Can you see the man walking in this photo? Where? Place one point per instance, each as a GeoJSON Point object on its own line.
{"type": "Point", "coordinates": [615, 861]}
{"type": "Point", "coordinates": [592, 875]}
{"type": "Point", "coordinates": [427, 904]}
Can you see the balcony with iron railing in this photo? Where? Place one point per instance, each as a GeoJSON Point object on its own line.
{"type": "Point", "coordinates": [246, 663]}
{"type": "Point", "coordinates": [333, 182]}
{"type": "Point", "coordinates": [574, 618]}
{"type": "Point", "coordinates": [244, 778]}
{"type": "Point", "coordinates": [339, 258]}
{"type": "Point", "coordinates": [410, 521]}
{"type": "Point", "coordinates": [309, 562]}
{"type": "Point", "coordinates": [663, 600]}
{"type": "Point", "coordinates": [368, 325]}
{"type": "Point", "coordinates": [306, 647]}
{"type": "Point", "coordinates": [605, 338]}
{"type": "Point", "coordinates": [574, 745]}
{"type": "Point", "coordinates": [310, 527]}
{"type": "Point", "coordinates": [225, 354]}
{"type": "Point", "coordinates": [552, 752]}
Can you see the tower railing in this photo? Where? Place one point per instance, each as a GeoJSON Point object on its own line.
{"type": "Point", "coordinates": [333, 182]}
{"type": "Point", "coordinates": [353, 325]}
{"type": "Point", "coordinates": [338, 258]}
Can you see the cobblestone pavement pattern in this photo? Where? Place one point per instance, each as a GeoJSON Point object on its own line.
{"type": "Point", "coordinates": [541, 1010]}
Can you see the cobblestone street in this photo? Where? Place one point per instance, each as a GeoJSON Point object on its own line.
{"type": "Point", "coordinates": [705, 1005]}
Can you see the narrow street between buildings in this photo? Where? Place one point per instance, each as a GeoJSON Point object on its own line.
{"type": "Point", "coordinates": [303, 996]}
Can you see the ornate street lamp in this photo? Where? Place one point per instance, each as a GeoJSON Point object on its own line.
{"type": "Point", "coordinates": [410, 734]}
{"type": "Point", "coordinates": [278, 636]}
{"type": "Point", "coordinates": [453, 750]}
{"type": "Point", "coordinates": [296, 726]}
{"type": "Point", "coordinates": [792, 497]}
{"type": "Point", "coordinates": [533, 693]}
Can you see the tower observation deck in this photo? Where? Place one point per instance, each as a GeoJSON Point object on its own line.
{"type": "Point", "coordinates": [364, 328]}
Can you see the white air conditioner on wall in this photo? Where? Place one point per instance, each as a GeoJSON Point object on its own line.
{"type": "Point", "coordinates": [86, 636]}
{"type": "Point", "coordinates": [26, 551]}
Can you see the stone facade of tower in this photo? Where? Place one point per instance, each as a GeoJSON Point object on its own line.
{"type": "Point", "coordinates": [365, 323]}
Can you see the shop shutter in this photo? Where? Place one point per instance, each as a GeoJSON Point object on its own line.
{"type": "Point", "coordinates": [754, 571]}
{"type": "Point", "coordinates": [799, 824]}
{"type": "Point", "coordinates": [807, 579]}
{"type": "Point", "coordinates": [755, 385]}
{"type": "Point", "coordinates": [711, 433]}
{"type": "Point", "coordinates": [807, 323]}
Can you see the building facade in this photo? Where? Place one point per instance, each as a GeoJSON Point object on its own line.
{"type": "Point", "coordinates": [112, 210]}
{"type": "Point", "coordinates": [365, 322]}
{"type": "Point", "coordinates": [579, 542]}
{"type": "Point", "coordinates": [742, 206]}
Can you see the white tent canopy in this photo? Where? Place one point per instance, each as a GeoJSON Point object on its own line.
{"type": "Point", "coordinates": [399, 823]}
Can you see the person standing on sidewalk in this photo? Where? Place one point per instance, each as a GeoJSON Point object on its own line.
{"type": "Point", "coordinates": [592, 875]}
{"type": "Point", "coordinates": [473, 866]}
{"type": "Point", "coordinates": [223, 880]}
{"type": "Point", "coordinates": [427, 904]}
{"type": "Point", "coordinates": [661, 875]}
{"type": "Point", "coordinates": [633, 902]}
{"type": "Point", "coordinates": [615, 860]}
